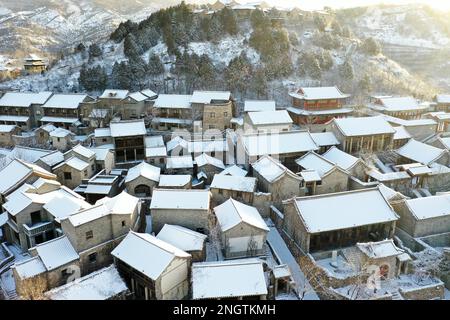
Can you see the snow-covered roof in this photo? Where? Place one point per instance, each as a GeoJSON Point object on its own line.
{"type": "Point", "coordinates": [231, 213]}
{"type": "Point", "coordinates": [304, 112]}
{"type": "Point", "coordinates": [180, 199]}
{"type": "Point", "coordinates": [179, 162]}
{"type": "Point", "coordinates": [47, 127]}
{"type": "Point", "coordinates": [7, 128]}
{"type": "Point", "coordinates": [227, 279]}
{"type": "Point", "coordinates": [149, 93]}
{"type": "Point", "coordinates": [207, 146]}
{"type": "Point", "coordinates": [100, 153]}
{"type": "Point", "coordinates": [310, 175]}
{"type": "Point", "coordinates": [429, 207]}
{"type": "Point", "coordinates": [143, 170]}
{"type": "Point", "coordinates": [83, 151]}
{"type": "Point", "coordinates": [56, 253]}
{"type": "Point", "coordinates": [279, 143]}
{"type": "Point", "coordinates": [389, 193]}
{"type": "Point", "coordinates": [102, 132]}
{"type": "Point", "coordinates": [123, 203]}
{"type": "Point", "coordinates": [234, 170]}
{"type": "Point", "coordinates": [318, 93]}
{"type": "Point", "coordinates": [128, 128]}
{"type": "Point", "coordinates": [420, 152]}
{"type": "Point", "coordinates": [259, 105]}
{"type": "Point", "coordinates": [155, 152]}
{"type": "Point", "coordinates": [340, 158]}
{"type": "Point", "coordinates": [176, 101]}
{"type": "Point", "coordinates": [52, 158]}
{"type": "Point", "coordinates": [182, 238]}
{"type": "Point", "coordinates": [16, 172]}
{"type": "Point", "coordinates": [380, 249]}
{"type": "Point", "coordinates": [66, 101]}
{"type": "Point", "coordinates": [63, 206]}
{"type": "Point", "coordinates": [443, 98]}
{"type": "Point", "coordinates": [325, 139]}
{"type": "Point", "coordinates": [114, 94]}
{"type": "Point", "coordinates": [3, 218]}
{"type": "Point", "coordinates": [401, 133]}
{"type": "Point", "coordinates": [409, 123]}
{"type": "Point", "coordinates": [99, 285]}
{"type": "Point", "coordinates": [137, 96]}
{"type": "Point", "coordinates": [90, 214]}
{"type": "Point", "coordinates": [28, 154]}
{"type": "Point", "coordinates": [393, 104]}
{"type": "Point", "coordinates": [175, 142]}
{"type": "Point", "coordinates": [147, 254]}
{"type": "Point", "coordinates": [235, 183]}
{"type": "Point", "coordinates": [205, 159]}
{"type": "Point", "coordinates": [364, 126]}
{"type": "Point", "coordinates": [271, 169]}
{"type": "Point", "coordinates": [313, 161]}
{"type": "Point", "coordinates": [208, 96]}
{"type": "Point", "coordinates": [29, 268]}
{"type": "Point", "coordinates": [270, 117]}
{"type": "Point", "coordinates": [68, 120]}
{"type": "Point", "coordinates": [75, 163]}
{"type": "Point", "coordinates": [154, 141]}
{"type": "Point", "coordinates": [344, 210]}
{"type": "Point", "coordinates": [23, 99]}
{"type": "Point", "coordinates": [60, 133]}
{"type": "Point", "coordinates": [388, 176]}
{"type": "Point", "coordinates": [14, 118]}
{"type": "Point", "coordinates": [174, 180]}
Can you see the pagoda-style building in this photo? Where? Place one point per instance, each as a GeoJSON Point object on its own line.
{"type": "Point", "coordinates": [34, 64]}
{"type": "Point", "coordinates": [318, 105]}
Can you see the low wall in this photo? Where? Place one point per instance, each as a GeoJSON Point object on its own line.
{"type": "Point", "coordinates": [430, 292]}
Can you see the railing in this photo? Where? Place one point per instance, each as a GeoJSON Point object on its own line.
{"type": "Point", "coordinates": [38, 228]}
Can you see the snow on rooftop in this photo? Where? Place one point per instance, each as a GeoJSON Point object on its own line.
{"type": "Point", "coordinates": [313, 161]}
{"type": "Point", "coordinates": [176, 101]}
{"type": "Point", "coordinates": [114, 94]}
{"type": "Point", "coordinates": [174, 180]}
{"type": "Point", "coordinates": [259, 105]}
{"type": "Point", "coordinates": [53, 158]}
{"type": "Point", "coordinates": [401, 133]}
{"type": "Point", "coordinates": [344, 210]}
{"type": "Point", "coordinates": [420, 152]}
{"type": "Point", "coordinates": [227, 279]}
{"type": "Point", "coordinates": [143, 170]}
{"type": "Point", "coordinates": [270, 169]}
{"type": "Point", "coordinates": [123, 203]}
{"type": "Point", "coordinates": [75, 163]}
{"type": "Point", "coordinates": [102, 132]}
{"type": "Point", "coordinates": [231, 213]}
{"type": "Point", "coordinates": [393, 104]}
{"type": "Point", "coordinates": [325, 139]}
{"type": "Point", "coordinates": [429, 207]}
{"type": "Point", "coordinates": [270, 117]}
{"type": "Point", "coordinates": [443, 98]}
{"type": "Point", "coordinates": [128, 128]}
{"type": "Point", "coordinates": [205, 159]}
{"type": "Point", "coordinates": [89, 214]}
{"type": "Point", "coordinates": [149, 93]}
{"type": "Point", "coordinates": [98, 189]}
{"type": "Point", "coordinates": [208, 96]}
{"type": "Point", "coordinates": [310, 175]}
{"type": "Point", "coordinates": [207, 146]}
{"type": "Point", "coordinates": [100, 153]}
{"type": "Point", "coordinates": [363, 126]}
{"type": "Point", "coordinates": [67, 101]}
{"type": "Point", "coordinates": [14, 173]}
{"type": "Point", "coordinates": [176, 142]}
{"type": "Point", "coordinates": [380, 249]}
{"type": "Point", "coordinates": [73, 121]}
{"type": "Point", "coordinates": [154, 141]}
{"type": "Point", "coordinates": [23, 99]}
{"type": "Point", "coordinates": [182, 238]}
{"type": "Point", "coordinates": [155, 152]}
{"type": "Point", "coordinates": [137, 96]}
{"type": "Point", "coordinates": [28, 154]}
{"type": "Point", "coordinates": [83, 151]}
{"type": "Point", "coordinates": [180, 199]}
{"type": "Point", "coordinates": [56, 253]}
{"type": "Point", "coordinates": [236, 183]}
{"type": "Point", "coordinates": [179, 162]}
{"type": "Point", "coordinates": [63, 206]}
{"type": "Point", "coordinates": [29, 268]}
{"type": "Point", "coordinates": [99, 285]}
{"type": "Point", "coordinates": [234, 170]}
{"type": "Point", "coordinates": [278, 143]}
{"type": "Point", "coordinates": [147, 254]}
{"type": "Point", "coordinates": [60, 133]}
{"type": "Point", "coordinates": [340, 158]}
{"type": "Point", "coordinates": [7, 128]}
{"type": "Point", "coordinates": [318, 93]}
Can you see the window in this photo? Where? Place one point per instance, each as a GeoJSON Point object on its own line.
{"type": "Point", "coordinates": [212, 115]}
{"type": "Point", "coordinates": [225, 114]}
{"type": "Point", "coordinates": [124, 224]}
{"type": "Point", "coordinates": [67, 176]}
{"type": "Point", "coordinates": [41, 134]}
{"type": "Point", "coordinates": [93, 167]}
{"type": "Point", "coordinates": [89, 235]}
{"type": "Point", "coordinates": [65, 273]}
{"type": "Point", "coordinates": [58, 139]}
{"type": "Point", "coordinates": [211, 126]}
{"type": "Point", "coordinates": [85, 173]}
{"type": "Point", "coordinates": [161, 160]}
{"type": "Point", "coordinates": [104, 140]}
{"type": "Point", "coordinates": [93, 257]}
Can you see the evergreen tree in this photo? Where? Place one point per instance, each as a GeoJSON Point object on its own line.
{"type": "Point", "coordinates": [94, 51]}
{"type": "Point", "coordinates": [325, 60]}
{"type": "Point", "coordinates": [346, 70]}
{"type": "Point", "coordinates": [365, 84]}
{"type": "Point", "coordinates": [155, 65]}
{"type": "Point", "coordinates": [259, 83]}
{"type": "Point", "coordinates": [238, 74]}
{"type": "Point", "coordinates": [371, 47]}
{"type": "Point", "coordinates": [93, 79]}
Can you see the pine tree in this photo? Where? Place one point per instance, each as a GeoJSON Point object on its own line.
{"type": "Point", "coordinates": [346, 70]}
{"type": "Point", "coordinates": [94, 51]}
{"type": "Point", "coordinates": [371, 47]}
{"type": "Point", "coordinates": [259, 83]}
{"type": "Point", "coordinates": [155, 65]}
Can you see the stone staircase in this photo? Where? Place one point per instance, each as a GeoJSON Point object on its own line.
{"type": "Point", "coordinates": [352, 255]}
{"type": "Point", "coordinates": [396, 295]}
